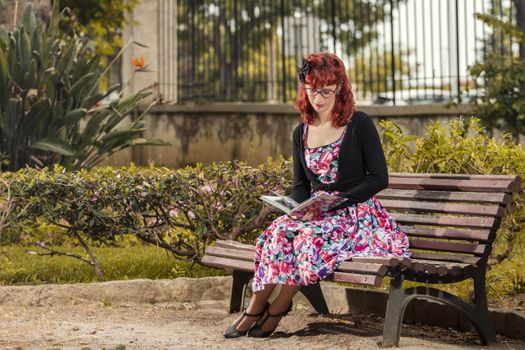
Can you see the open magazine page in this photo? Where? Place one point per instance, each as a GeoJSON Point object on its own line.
{"type": "Point", "coordinates": [314, 206]}
{"type": "Point", "coordinates": [280, 202]}
{"type": "Point", "coordinates": [317, 205]}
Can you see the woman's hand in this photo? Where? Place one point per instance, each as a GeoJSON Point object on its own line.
{"type": "Point", "coordinates": [306, 217]}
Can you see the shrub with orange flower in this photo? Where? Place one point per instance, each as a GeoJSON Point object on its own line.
{"type": "Point", "coordinates": [138, 63]}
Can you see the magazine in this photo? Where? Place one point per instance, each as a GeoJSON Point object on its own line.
{"type": "Point", "coordinates": [312, 207]}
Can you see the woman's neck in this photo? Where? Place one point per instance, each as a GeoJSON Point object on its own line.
{"type": "Point", "coordinates": [322, 120]}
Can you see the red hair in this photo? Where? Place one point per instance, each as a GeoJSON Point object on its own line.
{"type": "Point", "coordinates": [327, 69]}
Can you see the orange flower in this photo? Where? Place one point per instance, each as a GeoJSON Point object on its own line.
{"type": "Point", "coordinates": [138, 62]}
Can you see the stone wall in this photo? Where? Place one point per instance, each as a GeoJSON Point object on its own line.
{"type": "Point", "coordinates": [248, 131]}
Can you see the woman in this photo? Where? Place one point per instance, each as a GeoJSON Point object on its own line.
{"type": "Point", "coordinates": [335, 149]}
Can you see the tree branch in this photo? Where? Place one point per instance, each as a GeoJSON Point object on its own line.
{"type": "Point", "coordinates": [96, 263]}
{"type": "Point", "coordinates": [258, 222]}
{"type": "Point", "coordinates": [52, 252]}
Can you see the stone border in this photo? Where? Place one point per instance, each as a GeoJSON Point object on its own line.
{"type": "Point", "coordinates": [340, 299]}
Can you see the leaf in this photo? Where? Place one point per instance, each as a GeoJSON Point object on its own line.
{"type": "Point", "coordinates": [29, 19]}
{"type": "Point", "coordinates": [150, 142]}
{"type": "Point", "coordinates": [66, 60]}
{"type": "Point", "coordinates": [74, 115]}
{"type": "Point", "coordinates": [80, 83]}
{"type": "Point", "coordinates": [122, 134]}
{"type": "Point", "coordinates": [55, 19]}
{"type": "Point", "coordinates": [4, 73]}
{"type": "Point", "coordinates": [54, 145]}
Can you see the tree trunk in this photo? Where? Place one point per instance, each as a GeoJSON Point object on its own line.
{"type": "Point", "coordinates": [42, 9]}
{"type": "Point", "coordinates": [520, 20]}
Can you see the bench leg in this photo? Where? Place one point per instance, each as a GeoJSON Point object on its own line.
{"type": "Point", "coordinates": [398, 299]}
{"type": "Point", "coordinates": [238, 291]}
{"type": "Point", "coordinates": [315, 296]}
{"type": "Point", "coordinates": [395, 309]}
{"type": "Point", "coordinates": [486, 329]}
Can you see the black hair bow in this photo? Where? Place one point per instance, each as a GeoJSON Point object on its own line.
{"type": "Point", "coordinates": [303, 70]}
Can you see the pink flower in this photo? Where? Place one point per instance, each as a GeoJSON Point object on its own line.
{"type": "Point", "coordinates": [286, 268]}
{"type": "Point", "coordinates": [323, 168]}
{"type": "Point", "coordinates": [318, 242]}
{"type": "Point", "coordinates": [326, 157]}
{"type": "Point", "coordinates": [302, 257]}
{"type": "Point", "coordinates": [336, 235]}
{"type": "Point", "coordinates": [308, 232]}
{"type": "Point", "coordinates": [174, 212]}
{"type": "Point", "coordinates": [207, 188]}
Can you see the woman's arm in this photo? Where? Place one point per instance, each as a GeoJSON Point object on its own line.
{"type": "Point", "coordinates": [376, 178]}
{"type": "Point", "coordinates": [301, 184]}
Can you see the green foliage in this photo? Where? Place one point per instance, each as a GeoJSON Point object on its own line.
{"type": "Point", "coordinates": [184, 210]}
{"type": "Point", "coordinates": [178, 210]}
{"type": "Point", "coordinates": [397, 152]}
{"type": "Point", "coordinates": [51, 107]}
{"type": "Point", "coordinates": [126, 260]}
{"type": "Point", "coordinates": [463, 147]}
{"type": "Point", "coordinates": [102, 21]}
{"type": "Point", "coordinates": [502, 103]}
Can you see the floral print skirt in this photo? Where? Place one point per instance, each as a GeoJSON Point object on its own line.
{"type": "Point", "coordinates": [294, 252]}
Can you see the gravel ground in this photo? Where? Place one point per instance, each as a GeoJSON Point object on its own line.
{"type": "Point", "coordinates": [199, 325]}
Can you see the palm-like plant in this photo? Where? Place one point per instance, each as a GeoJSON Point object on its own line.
{"type": "Point", "coordinates": [52, 109]}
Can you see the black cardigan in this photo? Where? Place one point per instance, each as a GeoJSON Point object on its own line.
{"type": "Point", "coordinates": [362, 166]}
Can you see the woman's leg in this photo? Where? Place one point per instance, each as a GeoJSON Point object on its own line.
{"type": "Point", "coordinates": [279, 305]}
{"type": "Point", "coordinates": [257, 305]}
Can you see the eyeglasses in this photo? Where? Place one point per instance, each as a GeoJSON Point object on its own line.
{"type": "Point", "coordinates": [324, 92]}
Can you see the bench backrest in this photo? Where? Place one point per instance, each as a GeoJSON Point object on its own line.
{"type": "Point", "coordinates": [449, 217]}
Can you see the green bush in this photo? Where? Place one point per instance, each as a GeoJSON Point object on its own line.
{"type": "Point", "coordinates": [52, 110]}
{"type": "Point", "coordinates": [501, 103]}
{"type": "Point", "coordinates": [178, 210]}
{"type": "Point", "coordinates": [184, 210]}
{"type": "Point", "coordinates": [464, 147]}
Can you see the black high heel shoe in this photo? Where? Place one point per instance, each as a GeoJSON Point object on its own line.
{"type": "Point", "coordinates": [232, 332]}
{"type": "Point", "coordinates": [256, 330]}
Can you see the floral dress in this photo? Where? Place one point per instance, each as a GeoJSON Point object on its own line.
{"type": "Point", "coordinates": [295, 252]}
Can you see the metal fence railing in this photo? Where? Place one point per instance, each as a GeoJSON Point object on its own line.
{"type": "Point", "coordinates": [395, 51]}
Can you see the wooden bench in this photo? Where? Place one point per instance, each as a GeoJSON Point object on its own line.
{"type": "Point", "coordinates": [451, 221]}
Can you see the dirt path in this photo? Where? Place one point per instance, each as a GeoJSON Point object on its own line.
{"type": "Point", "coordinates": [199, 325]}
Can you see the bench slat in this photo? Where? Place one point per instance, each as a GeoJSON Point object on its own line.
{"type": "Point", "coordinates": [446, 233]}
{"type": "Point", "coordinates": [452, 247]}
{"type": "Point", "coordinates": [474, 185]}
{"type": "Point", "coordinates": [453, 176]}
{"type": "Point", "coordinates": [445, 220]}
{"type": "Point", "coordinates": [234, 244]}
{"type": "Point", "coordinates": [464, 259]}
{"type": "Point", "coordinates": [444, 267]}
{"type": "Point", "coordinates": [443, 207]}
{"type": "Point", "coordinates": [448, 196]}
{"type": "Point", "coordinates": [441, 268]}
{"type": "Point", "coordinates": [355, 278]}
{"type": "Point", "coordinates": [239, 254]}
{"type": "Point", "coordinates": [391, 261]}
{"type": "Point", "coordinates": [225, 263]}
{"type": "Point", "coordinates": [363, 267]}
{"type": "Point", "coordinates": [347, 266]}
